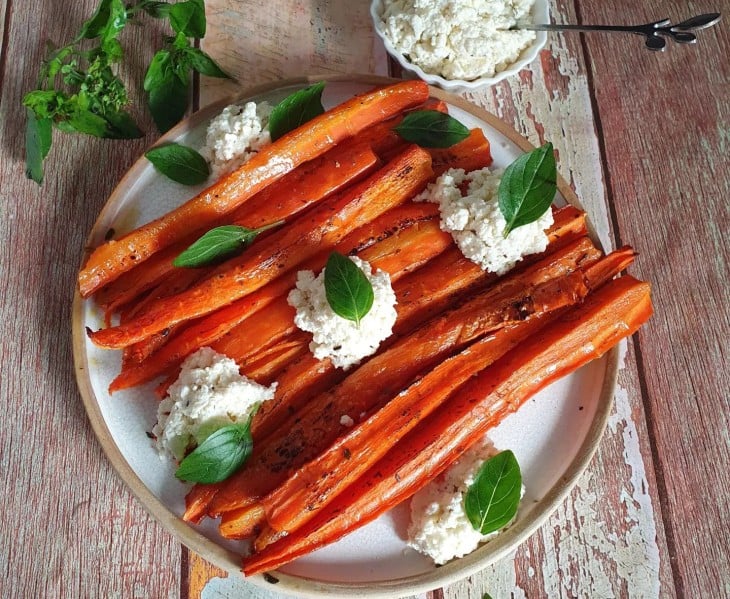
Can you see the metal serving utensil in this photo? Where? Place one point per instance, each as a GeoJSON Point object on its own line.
{"type": "Point", "coordinates": [656, 33]}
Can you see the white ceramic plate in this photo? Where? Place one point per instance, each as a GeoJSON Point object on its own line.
{"type": "Point", "coordinates": [554, 435]}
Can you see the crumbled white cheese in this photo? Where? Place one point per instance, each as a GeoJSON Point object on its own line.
{"type": "Point", "coordinates": [439, 525]}
{"type": "Point", "coordinates": [235, 135]}
{"type": "Point", "coordinates": [345, 420]}
{"type": "Point", "coordinates": [334, 337]}
{"type": "Point", "coordinates": [209, 394]}
{"type": "Point", "coordinates": [458, 39]}
{"type": "Point", "coordinates": [477, 224]}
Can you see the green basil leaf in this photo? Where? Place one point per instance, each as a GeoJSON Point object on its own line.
{"type": "Point", "coordinates": [492, 499]}
{"type": "Point", "coordinates": [349, 292]}
{"type": "Point", "coordinates": [179, 163]}
{"type": "Point", "coordinates": [219, 456]}
{"type": "Point", "coordinates": [94, 26]}
{"type": "Point", "coordinates": [431, 129]}
{"type": "Point", "coordinates": [168, 97]}
{"type": "Point", "coordinates": [204, 64]}
{"type": "Point", "coordinates": [44, 103]}
{"type": "Point", "coordinates": [116, 22]}
{"type": "Point", "coordinates": [38, 137]}
{"type": "Point", "coordinates": [295, 110]}
{"type": "Point", "coordinates": [188, 18]}
{"type": "Point", "coordinates": [85, 121]}
{"type": "Point", "coordinates": [157, 70]}
{"type": "Point", "coordinates": [121, 125]}
{"type": "Point", "coordinates": [219, 244]}
{"type": "Point", "coordinates": [528, 187]}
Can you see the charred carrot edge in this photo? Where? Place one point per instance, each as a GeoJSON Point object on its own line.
{"type": "Point", "coordinates": [315, 484]}
{"type": "Point", "coordinates": [365, 240]}
{"type": "Point", "coordinates": [283, 250]}
{"type": "Point", "coordinates": [471, 154]}
{"type": "Point", "coordinates": [301, 438]}
{"type": "Point", "coordinates": [612, 313]}
{"type": "Point", "coordinates": [298, 190]}
{"type": "Point", "coordinates": [306, 142]}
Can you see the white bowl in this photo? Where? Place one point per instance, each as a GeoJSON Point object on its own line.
{"type": "Point", "coordinates": [539, 14]}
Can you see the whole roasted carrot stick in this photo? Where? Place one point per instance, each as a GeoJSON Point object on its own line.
{"type": "Point", "coordinates": [283, 199]}
{"type": "Point", "coordinates": [373, 241]}
{"type": "Point", "coordinates": [306, 142]}
{"type": "Point", "coordinates": [301, 438]}
{"type": "Point", "coordinates": [281, 251]}
{"type": "Point", "coordinates": [612, 313]}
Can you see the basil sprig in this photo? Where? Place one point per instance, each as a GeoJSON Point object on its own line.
{"type": "Point", "coordinates": [179, 163]}
{"type": "Point", "coordinates": [218, 244]}
{"type": "Point", "coordinates": [349, 292]}
{"type": "Point", "coordinates": [492, 499]}
{"type": "Point", "coordinates": [219, 456]}
{"type": "Point", "coordinates": [431, 129]}
{"type": "Point", "coordinates": [528, 187]}
{"type": "Point", "coordinates": [79, 90]}
{"type": "Point", "coordinates": [295, 110]}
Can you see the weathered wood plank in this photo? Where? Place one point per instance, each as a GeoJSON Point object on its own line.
{"type": "Point", "coordinates": [665, 121]}
{"type": "Point", "coordinates": [71, 528]}
{"type": "Point", "coordinates": [259, 42]}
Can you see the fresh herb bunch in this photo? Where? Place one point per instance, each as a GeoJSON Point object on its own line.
{"type": "Point", "coordinates": [79, 91]}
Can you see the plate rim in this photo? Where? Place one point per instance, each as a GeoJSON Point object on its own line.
{"type": "Point", "coordinates": [230, 561]}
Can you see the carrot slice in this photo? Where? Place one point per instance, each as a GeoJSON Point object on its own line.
{"type": "Point", "coordinates": [306, 142]}
{"type": "Point", "coordinates": [281, 251]}
{"type": "Point", "coordinates": [301, 438]}
{"type": "Point", "coordinates": [583, 334]}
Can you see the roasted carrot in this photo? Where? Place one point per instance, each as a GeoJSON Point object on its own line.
{"type": "Point", "coordinates": [583, 334]}
{"type": "Point", "coordinates": [470, 154]}
{"type": "Point", "coordinates": [281, 251]}
{"type": "Point", "coordinates": [265, 367]}
{"type": "Point", "coordinates": [375, 242]}
{"type": "Point", "coordinates": [300, 439]}
{"type": "Point", "coordinates": [316, 483]}
{"type": "Point", "coordinates": [420, 296]}
{"type": "Point", "coordinates": [282, 200]}
{"type": "Point", "coordinates": [306, 142]}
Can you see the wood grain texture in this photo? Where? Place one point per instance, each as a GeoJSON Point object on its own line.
{"type": "Point", "coordinates": [667, 144]}
{"type": "Point", "coordinates": [259, 42]}
{"type": "Point", "coordinates": [70, 527]}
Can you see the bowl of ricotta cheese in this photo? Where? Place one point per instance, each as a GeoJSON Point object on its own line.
{"type": "Point", "coordinates": [460, 45]}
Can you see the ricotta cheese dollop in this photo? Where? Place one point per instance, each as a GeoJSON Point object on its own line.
{"type": "Point", "coordinates": [439, 525]}
{"type": "Point", "coordinates": [458, 39]}
{"type": "Point", "coordinates": [334, 337]}
{"type": "Point", "coordinates": [235, 135]}
{"type": "Point", "coordinates": [209, 394]}
{"type": "Point", "coordinates": [477, 224]}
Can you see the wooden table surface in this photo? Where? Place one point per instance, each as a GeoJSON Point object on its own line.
{"type": "Point", "coordinates": [643, 138]}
